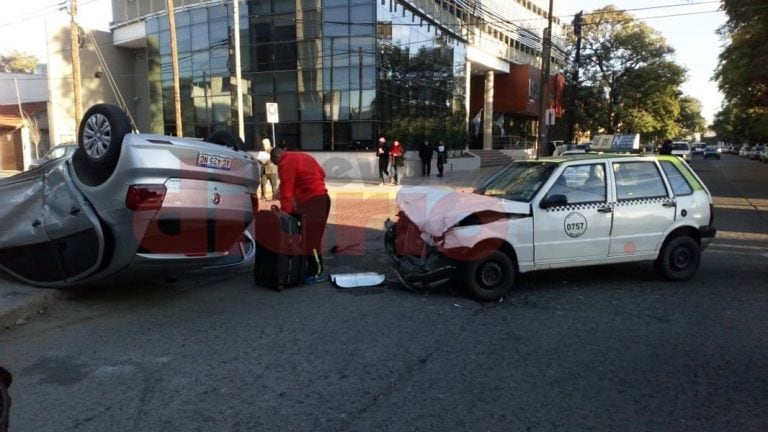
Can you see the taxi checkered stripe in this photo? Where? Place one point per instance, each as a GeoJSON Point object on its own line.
{"type": "Point", "coordinates": [580, 206]}
{"type": "Point", "coordinates": [654, 200]}
{"type": "Point", "coordinates": [622, 203]}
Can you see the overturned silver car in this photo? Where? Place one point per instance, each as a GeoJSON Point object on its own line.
{"type": "Point", "coordinates": [569, 211]}
{"type": "Point", "coordinates": [125, 202]}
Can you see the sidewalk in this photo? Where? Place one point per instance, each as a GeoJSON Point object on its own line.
{"type": "Point", "coordinates": [19, 301]}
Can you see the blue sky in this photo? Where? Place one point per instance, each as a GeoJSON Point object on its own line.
{"type": "Point", "coordinates": [689, 27]}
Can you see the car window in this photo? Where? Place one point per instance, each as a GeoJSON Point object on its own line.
{"type": "Point", "coordinates": [518, 181]}
{"type": "Point", "coordinates": [676, 179]}
{"type": "Point", "coordinates": [680, 146]}
{"type": "Point", "coordinates": [581, 184]}
{"type": "Point", "coordinates": [638, 180]}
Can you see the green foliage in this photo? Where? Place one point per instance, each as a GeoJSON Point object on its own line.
{"type": "Point", "coordinates": [18, 62]}
{"type": "Point", "coordinates": [690, 118]}
{"type": "Point", "coordinates": [741, 73]}
{"type": "Point", "coordinates": [628, 83]}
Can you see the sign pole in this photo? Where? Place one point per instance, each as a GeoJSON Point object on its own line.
{"type": "Point", "coordinates": [274, 141]}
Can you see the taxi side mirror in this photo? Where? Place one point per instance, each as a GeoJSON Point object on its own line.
{"type": "Point", "coordinates": [556, 200]}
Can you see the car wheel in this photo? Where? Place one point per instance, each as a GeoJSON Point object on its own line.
{"type": "Point", "coordinates": [491, 277]}
{"type": "Point", "coordinates": [679, 259]}
{"type": "Point", "coordinates": [225, 138]}
{"type": "Point", "coordinates": [99, 140]}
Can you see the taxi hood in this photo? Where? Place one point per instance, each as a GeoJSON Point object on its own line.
{"type": "Point", "coordinates": [435, 210]}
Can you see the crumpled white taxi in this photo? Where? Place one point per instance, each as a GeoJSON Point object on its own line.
{"type": "Point", "coordinates": [570, 211]}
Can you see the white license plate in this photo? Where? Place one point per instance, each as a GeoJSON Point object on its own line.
{"type": "Point", "coordinates": [212, 161]}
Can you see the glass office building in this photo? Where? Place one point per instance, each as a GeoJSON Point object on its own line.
{"type": "Point", "coordinates": [341, 71]}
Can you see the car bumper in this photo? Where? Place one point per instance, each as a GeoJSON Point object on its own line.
{"type": "Point", "coordinates": [418, 273]}
{"type": "Point", "coordinates": [706, 234]}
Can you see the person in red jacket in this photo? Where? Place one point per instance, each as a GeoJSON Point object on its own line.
{"type": "Point", "coordinates": [304, 195]}
{"type": "Point", "coordinates": [397, 156]}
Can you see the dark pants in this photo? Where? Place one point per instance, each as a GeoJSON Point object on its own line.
{"type": "Point", "coordinates": [383, 172]}
{"type": "Point", "coordinates": [440, 165]}
{"type": "Point", "coordinates": [426, 167]}
{"type": "Point", "coordinates": [314, 213]}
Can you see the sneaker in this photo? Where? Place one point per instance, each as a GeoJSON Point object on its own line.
{"type": "Point", "coordinates": [314, 279]}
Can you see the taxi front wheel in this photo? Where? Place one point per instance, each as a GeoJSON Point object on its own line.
{"type": "Point", "coordinates": [679, 259]}
{"type": "Point", "coordinates": [491, 277]}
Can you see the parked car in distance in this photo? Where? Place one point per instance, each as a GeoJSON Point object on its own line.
{"type": "Point", "coordinates": [744, 150]}
{"type": "Point", "coordinates": [682, 149]}
{"type": "Point", "coordinates": [55, 152]}
{"type": "Point", "coordinates": [126, 204]}
{"type": "Point", "coordinates": [757, 152]}
{"type": "Point", "coordinates": [711, 152]}
{"type": "Point", "coordinates": [572, 211]}
{"type": "Point", "coordinates": [698, 148]}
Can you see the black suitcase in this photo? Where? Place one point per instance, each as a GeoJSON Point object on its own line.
{"type": "Point", "coordinates": [279, 262]}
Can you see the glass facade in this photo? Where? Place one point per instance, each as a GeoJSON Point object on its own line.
{"type": "Point", "coordinates": [341, 71]}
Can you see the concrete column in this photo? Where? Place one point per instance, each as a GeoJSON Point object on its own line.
{"type": "Point", "coordinates": [488, 112]}
{"type": "Point", "coordinates": [467, 94]}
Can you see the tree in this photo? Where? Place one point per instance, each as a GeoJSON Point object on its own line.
{"type": "Point", "coordinates": [741, 72]}
{"type": "Point", "coordinates": [690, 118]}
{"type": "Point", "coordinates": [18, 62]}
{"type": "Point", "coordinates": [628, 83]}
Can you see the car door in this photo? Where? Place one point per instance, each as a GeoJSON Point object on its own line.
{"type": "Point", "coordinates": [73, 229]}
{"type": "Point", "coordinates": [572, 221]}
{"type": "Point", "coordinates": [644, 209]}
{"type": "Point", "coordinates": [24, 249]}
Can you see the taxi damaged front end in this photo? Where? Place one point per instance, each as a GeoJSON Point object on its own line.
{"type": "Point", "coordinates": [427, 243]}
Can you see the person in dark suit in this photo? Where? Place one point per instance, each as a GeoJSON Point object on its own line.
{"type": "Point", "coordinates": [425, 154]}
{"type": "Point", "coordinates": [382, 152]}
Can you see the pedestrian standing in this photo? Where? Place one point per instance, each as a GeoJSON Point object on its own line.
{"type": "Point", "coordinates": [442, 158]}
{"type": "Point", "coordinates": [666, 147]}
{"type": "Point", "coordinates": [398, 160]}
{"type": "Point", "coordinates": [382, 152]}
{"type": "Point", "coordinates": [268, 172]}
{"type": "Point", "coordinates": [303, 194]}
{"type": "Point", "coordinates": [425, 155]}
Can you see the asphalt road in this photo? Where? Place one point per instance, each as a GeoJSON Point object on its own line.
{"type": "Point", "coordinates": [609, 348]}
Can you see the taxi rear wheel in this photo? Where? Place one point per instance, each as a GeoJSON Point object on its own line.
{"type": "Point", "coordinates": [491, 277]}
{"type": "Point", "coordinates": [679, 259]}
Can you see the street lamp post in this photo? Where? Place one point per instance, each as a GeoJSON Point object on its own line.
{"type": "Point", "coordinates": [541, 145]}
{"type": "Point", "coordinates": [577, 23]}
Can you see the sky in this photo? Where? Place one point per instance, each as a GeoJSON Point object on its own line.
{"type": "Point", "coordinates": [23, 22]}
{"type": "Point", "coordinates": [688, 26]}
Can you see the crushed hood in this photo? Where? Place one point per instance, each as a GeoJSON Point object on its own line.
{"type": "Point", "coordinates": [435, 210]}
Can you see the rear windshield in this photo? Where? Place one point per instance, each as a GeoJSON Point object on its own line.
{"type": "Point", "coordinates": [680, 146]}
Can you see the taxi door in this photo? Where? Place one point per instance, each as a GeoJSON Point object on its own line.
{"type": "Point", "coordinates": [572, 220]}
{"type": "Point", "coordinates": [643, 210]}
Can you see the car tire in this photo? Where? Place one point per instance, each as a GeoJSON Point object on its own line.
{"type": "Point", "coordinates": [679, 259]}
{"type": "Point", "coordinates": [100, 140]}
{"type": "Point", "coordinates": [225, 138]}
{"type": "Point", "coordinates": [489, 278]}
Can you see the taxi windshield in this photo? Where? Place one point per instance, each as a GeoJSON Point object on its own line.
{"type": "Point", "coordinates": [518, 181]}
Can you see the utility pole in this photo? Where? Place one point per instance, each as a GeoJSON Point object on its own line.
{"type": "Point", "coordinates": [578, 21]}
{"type": "Point", "coordinates": [541, 145]}
{"type": "Point", "coordinates": [239, 74]}
{"type": "Point", "coordinates": [74, 35]}
{"type": "Point", "coordinates": [175, 67]}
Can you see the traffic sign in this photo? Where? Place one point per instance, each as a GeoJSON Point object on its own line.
{"type": "Point", "coordinates": [549, 117]}
{"type": "Point", "coordinates": [272, 116]}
